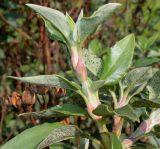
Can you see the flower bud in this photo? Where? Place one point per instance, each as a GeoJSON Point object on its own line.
{"type": "Point", "coordinates": [74, 57]}
{"type": "Point", "coordinates": [78, 64]}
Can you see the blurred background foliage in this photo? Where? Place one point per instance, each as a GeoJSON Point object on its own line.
{"type": "Point", "coordinates": [26, 50]}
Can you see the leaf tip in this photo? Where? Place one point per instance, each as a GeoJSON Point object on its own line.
{"type": "Point", "coordinates": [28, 4]}
{"type": "Point", "coordinates": [10, 77]}
{"type": "Point", "coordinates": [115, 4]}
{"type": "Point", "coordinates": [33, 6]}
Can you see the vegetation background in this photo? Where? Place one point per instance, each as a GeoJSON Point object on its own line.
{"type": "Point", "coordinates": [26, 50]}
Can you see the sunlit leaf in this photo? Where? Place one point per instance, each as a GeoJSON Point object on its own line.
{"type": "Point", "coordinates": [58, 135]}
{"type": "Point", "coordinates": [95, 46]}
{"type": "Point", "coordinates": [146, 62]}
{"type": "Point", "coordinates": [59, 110]}
{"type": "Point", "coordinates": [86, 26]}
{"type": "Point", "coordinates": [118, 60]}
{"type": "Point", "coordinates": [127, 112]}
{"type": "Point", "coordinates": [104, 110]}
{"type": "Point", "coordinates": [31, 137]}
{"type": "Point", "coordinates": [154, 87]}
{"type": "Point", "coordinates": [49, 80]}
{"type": "Point", "coordinates": [93, 63]}
{"type": "Point", "coordinates": [137, 79]}
{"type": "Point", "coordinates": [55, 21]}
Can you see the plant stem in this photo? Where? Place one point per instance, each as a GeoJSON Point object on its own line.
{"type": "Point", "coordinates": [114, 98]}
{"type": "Point", "coordinates": [91, 98]}
{"type": "Point", "coordinates": [118, 123]}
{"type": "Point", "coordinates": [92, 102]}
{"type": "Point", "coordinates": [104, 134]}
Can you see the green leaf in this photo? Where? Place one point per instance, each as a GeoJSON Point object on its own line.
{"type": "Point", "coordinates": [84, 143]}
{"type": "Point", "coordinates": [55, 17]}
{"type": "Point", "coordinates": [115, 142]}
{"type": "Point", "coordinates": [75, 31]}
{"type": "Point", "coordinates": [118, 60]}
{"type": "Point", "coordinates": [104, 110]}
{"type": "Point", "coordinates": [146, 62]}
{"type": "Point", "coordinates": [137, 79]}
{"type": "Point", "coordinates": [31, 137]}
{"type": "Point", "coordinates": [49, 80]}
{"type": "Point", "coordinates": [62, 146]}
{"type": "Point", "coordinates": [93, 63]}
{"type": "Point", "coordinates": [97, 84]}
{"type": "Point", "coordinates": [59, 110]}
{"type": "Point", "coordinates": [112, 141]}
{"type": "Point", "coordinates": [70, 22]}
{"type": "Point", "coordinates": [86, 26]}
{"type": "Point", "coordinates": [154, 87]}
{"type": "Point", "coordinates": [54, 33]}
{"type": "Point", "coordinates": [152, 40]}
{"type": "Point", "coordinates": [95, 46]}
{"type": "Point", "coordinates": [58, 135]}
{"type": "Point", "coordinates": [146, 103]}
{"type": "Point", "coordinates": [127, 112]}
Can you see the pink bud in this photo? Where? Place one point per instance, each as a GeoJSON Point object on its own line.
{"type": "Point", "coordinates": [78, 64]}
{"type": "Point", "coordinates": [74, 57]}
{"type": "Point", "coordinates": [81, 69]}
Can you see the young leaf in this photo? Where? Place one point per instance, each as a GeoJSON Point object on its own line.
{"type": "Point", "coordinates": [127, 112]}
{"type": "Point", "coordinates": [49, 80]}
{"type": "Point", "coordinates": [104, 110]}
{"type": "Point", "coordinates": [58, 135]}
{"type": "Point", "coordinates": [62, 146]}
{"type": "Point", "coordinates": [86, 26]}
{"type": "Point", "coordinates": [118, 60]}
{"type": "Point", "coordinates": [146, 103]}
{"type": "Point", "coordinates": [56, 18]}
{"type": "Point", "coordinates": [97, 84]}
{"type": "Point", "coordinates": [137, 79]}
{"type": "Point", "coordinates": [75, 31]}
{"type": "Point", "coordinates": [146, 61]}
{"type": "Point", "coordinates": [54, 33]}
{"type": "Point", "coordinates": [154, 87]}
{"type": "Point", "coordinates": [93, 63]}
{"type": "Point", "coordinates": [59, 110]}
{"type": "Point", "coordinates": [113, 142]}
{"type": "Point", "coordinates": [70, 22]}
{"type": "Point", "coordinates": [31, 137]}
{"type": "Point", "coordinates": [96, 46]}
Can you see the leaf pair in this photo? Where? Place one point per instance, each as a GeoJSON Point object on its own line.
{"type": "Point", "coordinates": [85, 26]}
{"type": "Point", "coordinates": [116, 62]}
{"type": "Point", "coordinates": [126, 112]}
{"type": "Point", "coordinates": [63, 28]}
